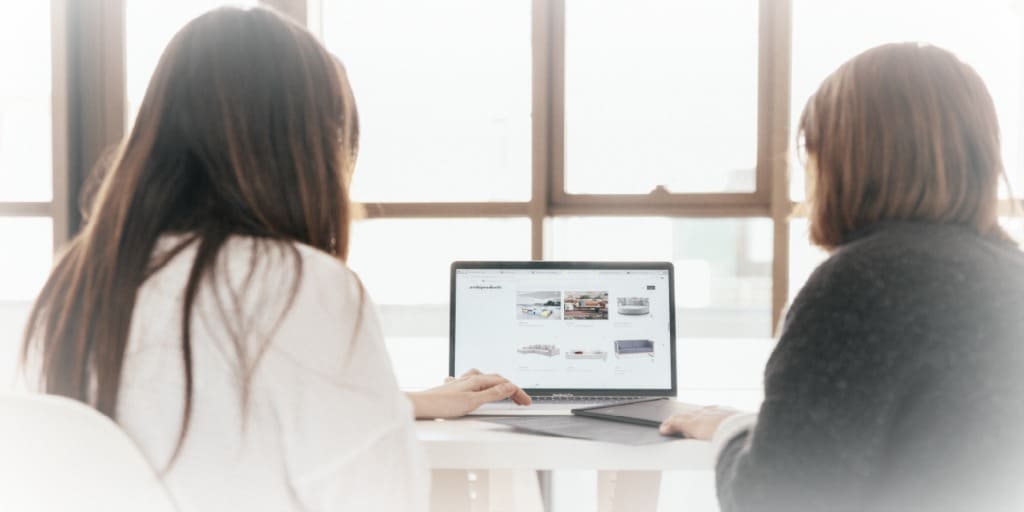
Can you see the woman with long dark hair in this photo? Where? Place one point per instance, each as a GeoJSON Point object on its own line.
{"type": "Point", "coordinates": [206, 307]}
{"type": "Point", "coordinates": [898, 380]}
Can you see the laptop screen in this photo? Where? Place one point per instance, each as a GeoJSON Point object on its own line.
{"type": "Point", "coordinates": [579, 326]}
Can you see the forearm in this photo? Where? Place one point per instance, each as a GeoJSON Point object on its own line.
{"type": "Point", "coordinates": [787, 461]}
{"type": "Point", "coordinates": [420, 405]}
{"type": "Point", "coordinates": [727, 457]}
{"type": "Point", "coordinates": [732, 427]}
{"type": "Point", "coordinates": [729, 441]}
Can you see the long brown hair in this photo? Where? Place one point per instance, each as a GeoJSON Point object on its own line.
{"type": "Point", "coordinates": [903, 131]}
{"type": "Point", "coordinates": [248, 127]}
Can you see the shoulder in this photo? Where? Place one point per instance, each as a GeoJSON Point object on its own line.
{"type": "Point", "coordinates": [913, 254]}
{"type": "Point", "coordinates": [244, 261]}
{"type": "Point", "coordinates": [315, 309]}
{"type": "Point", "coordinates": [924, 278]}
{"type": "Point", "coordinates": [281, 267]}
{"type": "Point", "coordinates": [913, 243]}
{"type": "Point", "coordinates": [285, 290]}
{"type": "Point", "coordinates": [321, 263]}
{"type": "Point", "coordinates": [279, 254]}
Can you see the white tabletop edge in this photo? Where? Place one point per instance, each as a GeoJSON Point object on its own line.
{"type": "Point", "coordinates": [473, 444]}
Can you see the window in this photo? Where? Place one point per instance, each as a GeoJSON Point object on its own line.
{"type": "Point", "coordinates": [26, 177]}
{"type": "Point", "coordinates": [536, 129]}
{"type": "Point", "coordinates": [660, 92]}
{"type": "Point", "coordinates": [149, 26]}
{"type": "Point", "coordinates": [444, 103]}
{"type": "Point", "coordinates": [409, 281]}
{"type": "Point", "coordinates": [24, 270]}
{"type": "Point", "coordinates": [722, 266]}
{"type": "Point", "coordinates": [26, 168]}
{"type": "Point", "coordinates": [987, 34]}
{"type": "Point", "coordinates": [25, 151]}
{"type": "Point", "coordinates": [495, 113]}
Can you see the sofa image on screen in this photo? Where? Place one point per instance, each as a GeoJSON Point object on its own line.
{"type": "Point", "coordinates": [627, 348]}
{"type": "Point", "coordinates": [634, 306]}
{"type": "Point", "coordinates": [544, 350]}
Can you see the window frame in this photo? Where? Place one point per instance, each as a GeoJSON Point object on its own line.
{"type": "Point", "coordinates": [54, 208]}
{"type": "Point", "coordinates": [549, 198]}
{"type": "Point", "coordinates": [89, 91]}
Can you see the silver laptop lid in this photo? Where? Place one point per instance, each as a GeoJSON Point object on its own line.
{"type": "Point", "coordinates": [566, 328]}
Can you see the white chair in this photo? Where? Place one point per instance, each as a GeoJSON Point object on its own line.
{"type": "Point", "coordinates": [58, 454]}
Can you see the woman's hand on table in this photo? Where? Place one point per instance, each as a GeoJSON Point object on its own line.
{"type": "Point", "coordinates": [700, 422]}
{"type": "Point", "coordinates": [462, 395]}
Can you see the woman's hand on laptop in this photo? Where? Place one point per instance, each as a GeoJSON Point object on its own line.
{"type": "Point", "coordinates": [460, 396]}
{"type": "Point", "coordinates": [700, 422]}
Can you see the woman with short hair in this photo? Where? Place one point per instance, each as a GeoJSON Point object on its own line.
{"type": "Point", "coordinates": [898, 379]}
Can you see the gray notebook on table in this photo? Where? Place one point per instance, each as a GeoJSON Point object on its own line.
{"type": "Point", "coordinates": [649, 413]}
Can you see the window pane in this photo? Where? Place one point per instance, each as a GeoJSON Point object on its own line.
{"type": "Point", "coordinates": [405, 264]}
{"type": "Point", "coordinates": [25, 140]}
{"type": "Point", "coordinates": [24, 270]}
{"type": "Point", "coordinates": [723, 266]}
{"type": "Point", "coordinates": [660, 92]}
{"type": "Point", "coordinates": [406, 261]}
{"type": "Point", "coordinates": [1014, 227]}
{"type": "Point", "coordinates": [149, 26]}
{"type": "Point", "coordinates": [987, 34]}
{"type": "Point", "coordinates": [443, 90]}
{"type": "Point", "coordinates": [13, 316]}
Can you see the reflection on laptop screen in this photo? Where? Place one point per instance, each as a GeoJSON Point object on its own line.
{"type": "Point", "coordinates": [565, 328]}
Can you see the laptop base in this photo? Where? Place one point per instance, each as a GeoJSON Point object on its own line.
{"type": "Point", "coordinates": [543, 406]}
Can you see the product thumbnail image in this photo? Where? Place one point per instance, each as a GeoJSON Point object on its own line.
{"type": "Point", "coordinates": [586, 305]}
{"type": "Point", "coordinates": [627, 348]}
{"type": "Point", "coordinates": [587, 354]}
{"type": "Point", "coordinates": [544, 350]}
{"type": "Point", "coordinates": [634, 306]}
{"type": "Point", "coordinates": [543, 305]}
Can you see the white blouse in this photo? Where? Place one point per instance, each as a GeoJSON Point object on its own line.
{"type": "Point", "coordinates": [294, 406]}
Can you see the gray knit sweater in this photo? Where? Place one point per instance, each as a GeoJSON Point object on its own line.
{"type": "Point", "coordinates": [897, 383]}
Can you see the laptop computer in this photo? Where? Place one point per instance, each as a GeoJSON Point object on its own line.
{"type": "Point", "coordinates": [571, 334]}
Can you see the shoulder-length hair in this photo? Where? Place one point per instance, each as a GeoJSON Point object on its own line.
{"type": "Point", "coordinates": [901, 132]}
{"type": "Point", "coordinates": [248, 127]}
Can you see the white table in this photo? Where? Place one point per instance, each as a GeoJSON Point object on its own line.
{"type": "Point", "coordinates": [481, 467]}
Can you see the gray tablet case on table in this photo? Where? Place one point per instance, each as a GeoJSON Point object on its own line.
{"type": "Point", "coordinates": [649, 413]}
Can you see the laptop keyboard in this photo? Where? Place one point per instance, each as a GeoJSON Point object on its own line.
{"type": "Point", "coordinates": [585, 399]}
{"type": "Point", "coordinates": [555, 405]}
